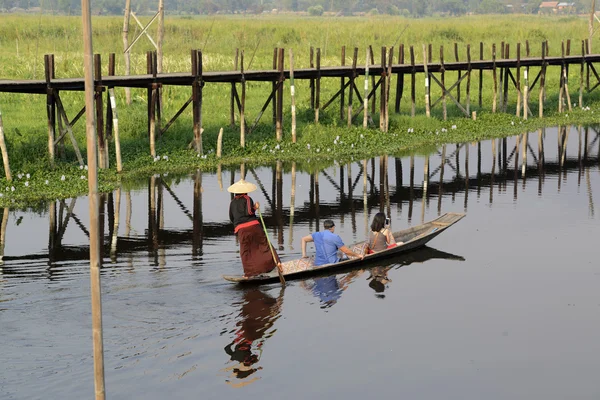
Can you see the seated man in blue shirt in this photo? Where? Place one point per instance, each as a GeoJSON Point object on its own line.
{"type": "Point", "coordinates": [327, 244]}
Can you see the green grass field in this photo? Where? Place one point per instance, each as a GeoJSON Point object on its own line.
{"type": "Point", "coordinates": [25, 39]}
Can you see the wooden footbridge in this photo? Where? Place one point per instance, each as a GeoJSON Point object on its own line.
{"type": "Point", "coordinates": [506, 72]}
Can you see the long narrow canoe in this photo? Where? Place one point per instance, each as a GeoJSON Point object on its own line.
{"type": "Point", "coordinates": [411, 238]}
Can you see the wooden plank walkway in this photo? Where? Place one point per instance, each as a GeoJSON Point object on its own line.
{"type": "Point", "coordinates": [40, 86]}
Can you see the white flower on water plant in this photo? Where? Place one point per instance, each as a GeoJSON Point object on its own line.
{"type": "Point", "coordinates": [328, 149]}
{"type": "Point", "coordinates": [156, 158]}
{"type": "Point", "coordinates": [28, 176]}
{"type": "Point", "coordinates": [318, 150]}
{"type": "Point", "coordinates": [166, 158]}
{"type": "Point", "coordinates": [27, 183]}
{"type": "Point", "coordinates": [362, 136]}
{"type": "Point", "coordinates": [512, 122]}
{"type": "Point", "coordinates": [337, 138]}
{"type": "Point", "coordinates": [85, 167]}
{"type": "Point", "coordinates": [335, 141]}
{"type": "Point", "coordinates": [19, 176]}
{"type": "Point", "coordinates": [453, 126]}
{"type": "Point", "coordinates": [62, 178]}
{"type": "Point", "coordinates": [277, 147]}
{"type": "Point", "coordinates": [12, 188]}
{"type": "Point", "coordinates": [1, 194]}
{"type": "Point", "coordinates": [7, 188]}
{"type": "Point", "coordinates": [264, 147]}
{"type": "Point", "coordinates": [444, 130]}
{"type": "Point", "coordinates": [308, 146]}
{"type": "Point", "coordinates": [82, 177]}
{"type": "Point", "coordinates": [81, 167]}
{"type": "Point", "coordinates": [352, 145]}
{"type": "Point", "coordinates": [46, 181]}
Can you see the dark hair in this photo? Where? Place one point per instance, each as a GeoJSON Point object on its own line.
{"type": "Point", "coordinates": [377, 286]}
{"type": "Point", "coordinates": [378, 222]}
{"type": "Point", "coordinates": [328, 224]}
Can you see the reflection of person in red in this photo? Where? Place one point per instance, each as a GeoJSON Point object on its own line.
{"type": "Point", "coordinates": [259, 313]}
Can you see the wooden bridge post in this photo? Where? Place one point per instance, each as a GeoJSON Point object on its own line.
{"type": "Point", "coordinates": [113, 117]}
{"type": "Point", "coordinates": [427, 106]}
{"type": "Point", "coordinates": [279, 124]}
{"type": "Point", "coordinates": [526, 88]}
{"type": "Point", "coordinates": [98, 88]}
{"type": "Point", "coordinates": [243, 103]}
{"type": "Point", "coordinates": [443, 80]}
{"type": "Point", "coordinates": [388, 86]}
{"type": "Point", "coordinates": [494, 73]}
{"type": "Point", "coordinates": [542, 81]}
{"type": "Point", "coordinates": [293, 96]}
{"type": "Point", "coordinates": [468, 79]}
{"type": "Point", "coordinates": [412, 82]}
{"type": "Point", "coordinates": [399, 80]}
{"type": "Point", "coordinates": [566, 77]}
{"type": "Point", "coordinates": [374, 97]}
{"type": "Point", "coordinates": [561, 78]}
{"type": "Point", "coordinates": [351, 86]}
{"type": "Point", "coordinates": [274, 85]}
{"type": "Point", "coordinates": [458, 73]}
{"type": "Point", "coordinates": [342, 83]}
{"type": "Point", "coordinates": [382, 88]}
{"type": "Point", "coordinates": [233, 92]}
{"type": "Point", "coordinates": [312, 80]}
{"type": "Point", "coordinates": [587, 51]}
{"type": "Point", "coordinates": [480, 74]}
{"type": "Point", "coordinates": [197, 99]}
{"type": "Point", "coordinates": [506, 72]}
{"type": "Point", "coordinates": [518, 73]}
{"type": "Point", "coordinates": [318, 86]}
{"type": "Point", "coordinates": [581, 72]}
{"type": "Point", "coordinates": [50, 105]}
{"type": "Point", "coordinates": [501, 79]}
{"type": "Point", "coordinates": [366, 97]}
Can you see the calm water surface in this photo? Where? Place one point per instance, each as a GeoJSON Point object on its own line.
{"type": "Point", "coordinates": [504, 305]}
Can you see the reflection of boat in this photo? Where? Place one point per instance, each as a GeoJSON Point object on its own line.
{"type": "Point", "coordinates": [412, 238]}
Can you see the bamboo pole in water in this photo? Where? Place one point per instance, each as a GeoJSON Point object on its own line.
{"type": "Point", "coordinates": [220, 143]}
{"type": "Point", "coordinates": [4, 151]}
{"type": "Point", "coordinates": [113, 243]}
{"type": "Point", "coordinates": [95, 261]}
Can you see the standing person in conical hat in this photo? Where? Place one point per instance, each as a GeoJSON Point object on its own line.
{"type": "Point", "coordinates": [254, 248]}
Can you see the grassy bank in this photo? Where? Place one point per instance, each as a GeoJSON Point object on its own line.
{"type": "Point", "coordinates": [24, 40]}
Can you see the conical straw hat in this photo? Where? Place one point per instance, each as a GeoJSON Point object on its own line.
{"type": "Point", "coordinates": [242, 186]}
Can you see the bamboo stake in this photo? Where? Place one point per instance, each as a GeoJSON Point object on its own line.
{"type": "Point", "coordinates": [115, 117]}
{"type": "Point", "coordinates": [506, 71]}
{"type": "Point", "coordinates": [293, 96]}
{"type": "Point", "coordinates": [427, 107]}
{"type": "Point", "coordinates": [100, 133]}
{"type": "Point", "coordinates": [279, 123]}
{"type": "Point", "coordinates": [387, 86]}
{"type": "Point", "coordinates": [374, 97]}
{"type": "Point", "coordinates": [219, 143]}
{"type": "Point", "coordinates": [114, 240]}
{"type": "Point", "coordinates": [95, 260]}
{"type": "Point", "coordinates": [4, 151]}
{"type": "Point", "coordinates": [399, 80]}
{"type": "Point", "coordinates": [50, 106]}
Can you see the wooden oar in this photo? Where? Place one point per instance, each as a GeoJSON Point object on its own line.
{"type": "Point", "coordinates": [281, 278]}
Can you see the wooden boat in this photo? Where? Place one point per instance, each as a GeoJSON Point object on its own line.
{"type": "Point", "coordinates": [412, 238]}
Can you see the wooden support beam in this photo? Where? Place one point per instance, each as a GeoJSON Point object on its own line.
{"type": "Point", "coordinates": [318, 86]}
{"type": "Point", "coordinates": [233, 92]}
{"type": "Point", "coordinates": [114, 118]}
{"type": "Point", "coordinates": [69, 130]}
{"type": "Point", "coordinates": [197, 99]}
{"type": "Point", "coordinates": [293, 96]}
{"type": "Point", "coordinates": [50, 105]}
{"type": "Point", "coordinates": [480, 75]}
{"type": "Point", "coordinates": [342, 85]}
{"type": "Point", "coordinates": [412, 82]}
{"type": "Point", "coordinates": [151, 107]}
{"type": "Point", "coordinates": [443, 83]}
{"type": "Point", "coordinates": [354, 61]}
{"type": "Point", "coordinates": [279, 124]}
{"type": "Point", "coordinates": [542, 81]}
{"type": "Point", "coordinates": [494, 73]}
{"type": "Point", "coordinates": [399, 80]}
{"type": "Point", "coordinates": [383, 88]}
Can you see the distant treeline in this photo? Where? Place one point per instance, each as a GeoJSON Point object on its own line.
{"type": "Point", "coordinates": [408, 8]}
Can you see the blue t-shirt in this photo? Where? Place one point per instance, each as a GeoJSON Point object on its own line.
{"type": "Point", "coordinates": [326, 247]}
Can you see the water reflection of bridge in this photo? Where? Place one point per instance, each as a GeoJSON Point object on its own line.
{"type": "Point", "coordinates": [507, 162]}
